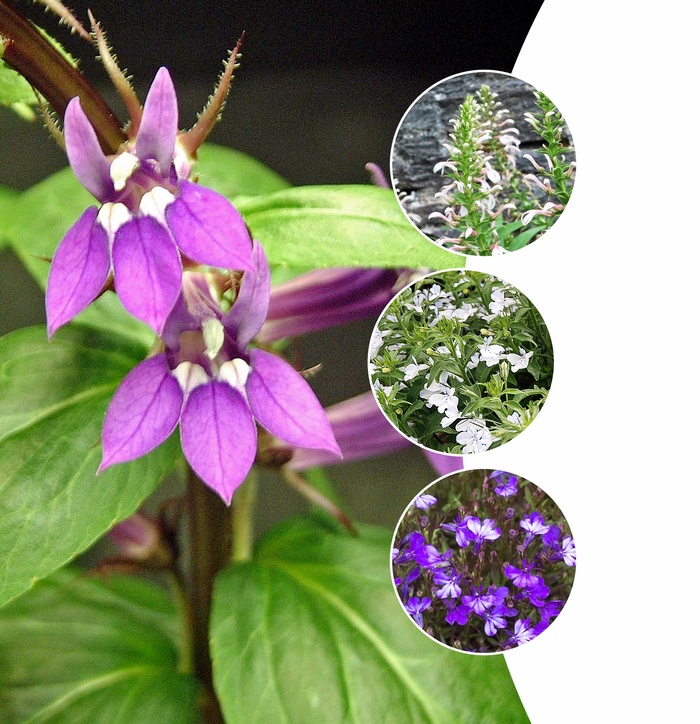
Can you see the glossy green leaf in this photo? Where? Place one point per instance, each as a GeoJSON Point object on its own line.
{"type": "Point", "coordinates": [99, 650]}
{"type": "Point", "coordinates": [324, 226]}
{"type": "Point", "coordinates": [8, 198]}
{"type": "Point", "coordinates": [233, 173]}
{"type": "Point", "coordinates": [311, 631]}
{"type": "Point", "coordinates": [53, 397]}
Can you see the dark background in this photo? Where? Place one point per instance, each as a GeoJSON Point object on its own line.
{"type": "Point", "coordinates": [320, 92]}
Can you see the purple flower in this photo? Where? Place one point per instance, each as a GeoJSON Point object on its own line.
{"type": "Point", "coordinates": [362, 431]}
{"type": "Point", "coordinates": [533, 524]}
{"type": "Point", "coordinates": [215, 388]}
{"type": "Point", "coordinates": [327, 297]}
{"type": "Point", "coordinates": [459, 614]}
{"type": "Point", "coordinates": [449, 580]}
{"type": "Point", "coordinates": [568, 551]}
{"type": "Point", "coordinates": [494, 618]}
{"type": "Point", "coordinates": [415, 607]}
{"type": "Point", "coordinates": [424, 501]}
{"type": "Point", "coordinates": [479, 601]}
{"type": "Point", "coordinates": [521, 577]}
{"type": "Point", "coordinates": [473, 529]}
{"type": "Point", "coordinates": [151, 218]}
{"type": "Point", "coordinates": [522, 633]}
{"type": "Point", "coordinates": [507, 485]}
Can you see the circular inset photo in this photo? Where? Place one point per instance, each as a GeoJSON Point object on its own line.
{"type": "Point", "coordinates": [483, 561]}
{"type": "Point", "coordinates": [460, 362]}
{"type": "Point", "coordinates": [483, 163]}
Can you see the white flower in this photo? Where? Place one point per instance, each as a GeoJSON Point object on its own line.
{"type": "Point", "coordinates": [474, 436]}
{"type": "Point", "coordinates": [377, 341]}
{"type": "Point", "coordinates": [440, 396]}
{"type": "Point", "coordinates": [490, 353]}
{"type": "Point", "coordinates": [519, 361]}
{"type": "Point", "coordinates": [515, 418]}
{"type": "Point", "coordinates": [412, 370]}
{"type": "Point", "coordinates": [474, 361]}
{"type": "Point", "coordinates": [500, 303]}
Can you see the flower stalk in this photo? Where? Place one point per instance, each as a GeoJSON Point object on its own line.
{"type": "Point", "coordinates": [28, 52]}
{"type": "Point", "coordinates": [210, 551]}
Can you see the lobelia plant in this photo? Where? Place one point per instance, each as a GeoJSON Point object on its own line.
{"type": "Point", "coordinates": [484, 562]}
{"type": "Point", "coordinates": [492, 206]}
{"type": "Point", "coordinates": [173, 304]}
{"type": "Point", "coordinates": [461, 362]}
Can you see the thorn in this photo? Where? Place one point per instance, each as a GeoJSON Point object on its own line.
{"type": "Point", "coordinates": [191, 140]}
{"type": "Point", "coordinates": [50, 121]}
{"type": "Point", "coordinates": [117, 76]}
{"type": "Point", "coordinates": [66, 17]}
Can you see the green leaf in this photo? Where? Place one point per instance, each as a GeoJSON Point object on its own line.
{"type": "Point", "coordinates": [98, 650]}
{"type": "Point", "coordinates": [233, 173]}
{"type": "Point", "coordinates": [325, 226]}
{"type": "Point", "coordinates": [8, 198]}
{"type": "Point", "coordinates": [53, 397]}
{"type": "Point", "coordinates": [312, 631]}
{"type": "Point", "coordinates": [14, 88]}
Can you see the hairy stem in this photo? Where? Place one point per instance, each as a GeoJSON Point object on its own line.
{"type": "Point", "coordinates": [210, 551]}
{"type": "Point", "coordinates": [28, 52]}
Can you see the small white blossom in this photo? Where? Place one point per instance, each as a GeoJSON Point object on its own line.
{"type": "Point", "coordinates": [412, 370]}
{"type": "Point", "coordinates": [490, 354]}
{"type": "Point", "coordinates": [474, 436]}
{"type": "Point", "coordinates": [519, 361]}
{"type": "Point", "coordinates": [500, 303]}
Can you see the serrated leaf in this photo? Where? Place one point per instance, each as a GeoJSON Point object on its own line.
{"type": "Point", "coordinates": [312, 631]}
{"type": "Point", "coordinates": [350, 225]}
{"type": "Point", "coordinates": [98, 650]}
{"type": "Point", "coordinates": [53, 397]}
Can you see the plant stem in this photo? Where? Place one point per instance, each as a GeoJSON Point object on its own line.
{"type": "Point", "coordinates": [28, 52]}
{"type": "Point", "coordinates": [210, 551]}
{"type": "Point", "coordinates": [243, 504]}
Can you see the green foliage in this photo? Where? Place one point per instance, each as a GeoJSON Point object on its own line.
{"type": "Point", "coordinates": [326, 226]}
{"type": "Point", "coordinates": [99, 649]}
{"type": "Point", "coordinates": [15, 92]}
{"type": "Point", "coordinates": [53, 397]}
{"type": "Point", "coordinates": [445, 362]}
{"type": "Point", "coordinates": [311, 631]}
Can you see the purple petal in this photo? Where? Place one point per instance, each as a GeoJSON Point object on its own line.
{"type": "Point", "coordinates": [444, 464]}
{"type": "Point", "coordinates": [219, 438]}
{"type": "Point", "coordinates": [208, 229]}
{"type": "Point", "coordinates": [147, 270]}
{"type": "Point", "coordinates": [158, 130]}
{"type": "Point", "coordinates": [284, 404]}
{"type": "Point", "coordinates": [361, 431]}
{"type": "Point", "coordinates": [85, 154]}
{"type": "Point", "coordinates": [250, 309]}
{"type": "Point", "coordinates": [327, 297]}
{"type": "Point", "coordinates": [142, 414]}
{"type": "Point", "coordinates": [79, 270]}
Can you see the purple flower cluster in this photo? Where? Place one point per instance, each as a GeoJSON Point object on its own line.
{"type": "Point", "coordinates": [169, 248]}
{"type": "Point", "coordinates": [486, 582]}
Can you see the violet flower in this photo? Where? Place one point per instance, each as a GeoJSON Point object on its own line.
{"type": "Point", "coordinates": [209, 382]}
{"type": "Point", "coordinates": [328, 297]}
{"type": "Point", "coordinates": [533, 524]}
{"type": "Point", "coordinates": [151, 218]}
{"type": "Point", "coordinates": [415, 607]}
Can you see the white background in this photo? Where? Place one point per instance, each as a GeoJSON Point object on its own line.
{"type": "Point", "coordinates": [616, 282]}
